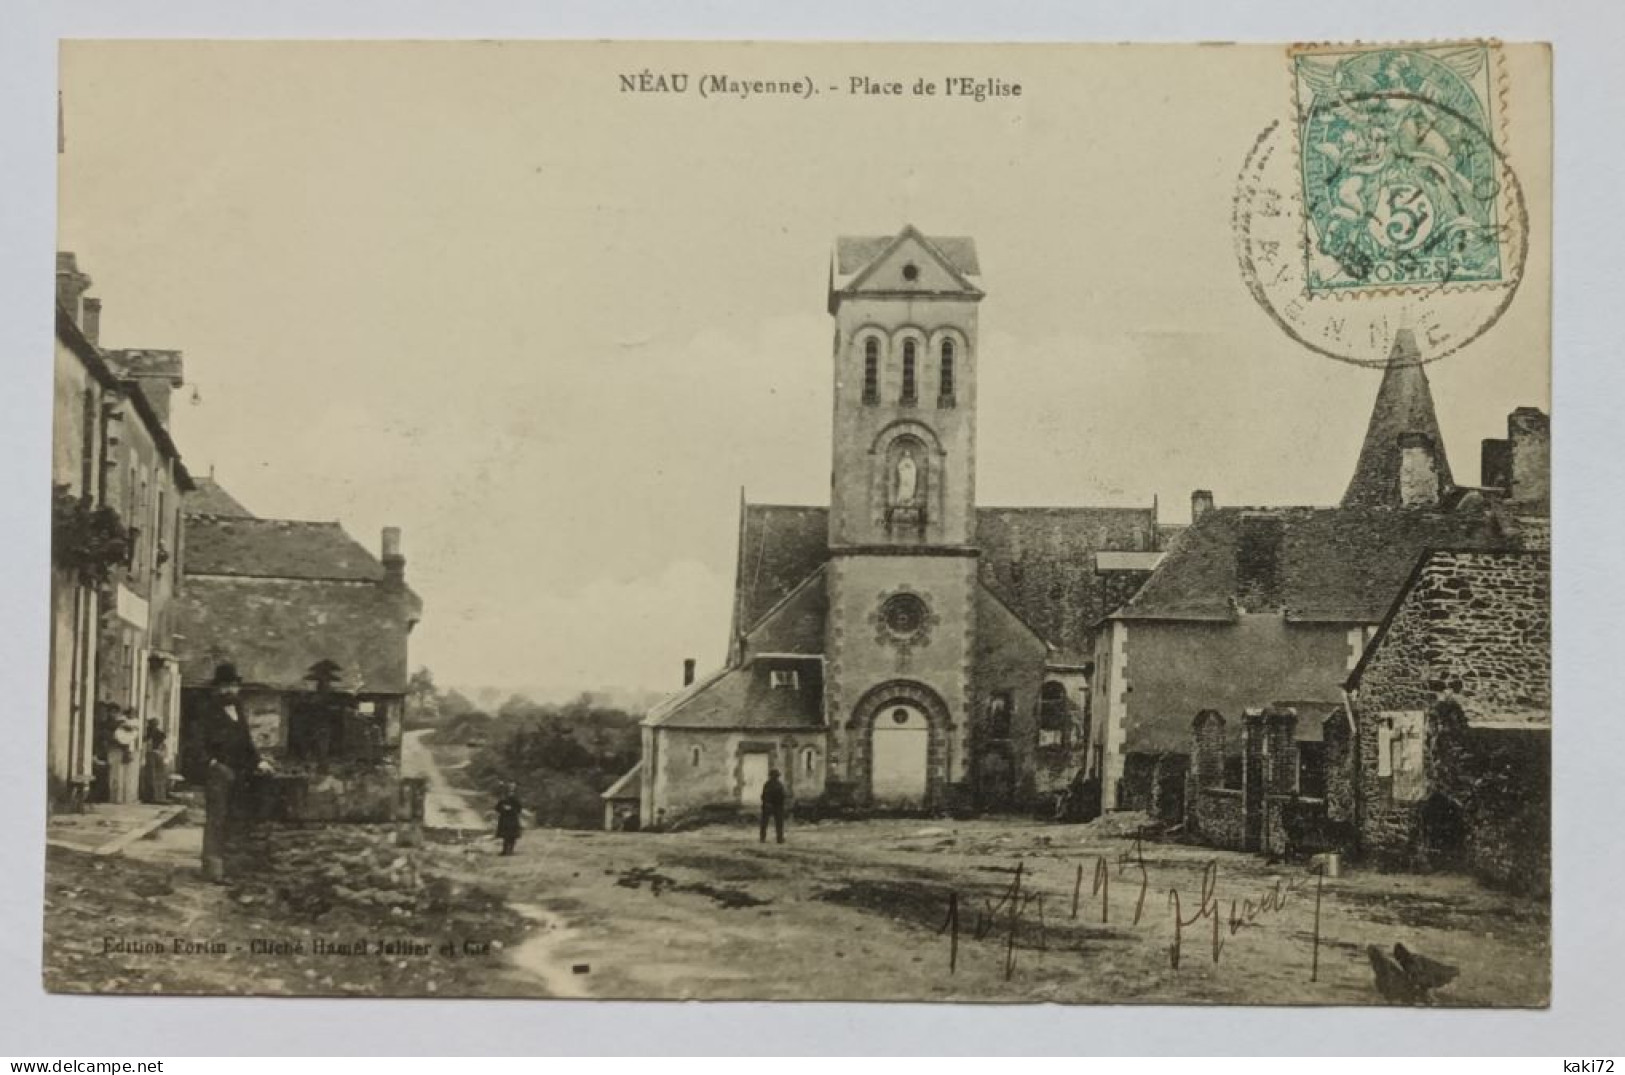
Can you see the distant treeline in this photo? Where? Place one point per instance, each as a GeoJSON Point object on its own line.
{"type": "Point", "coordinates": [560, 756]}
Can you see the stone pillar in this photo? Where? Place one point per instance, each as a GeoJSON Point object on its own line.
{"type": "Point", "coordinates": [1281, 751]}
{"type": "Point", "coordinates": [1207, 749]}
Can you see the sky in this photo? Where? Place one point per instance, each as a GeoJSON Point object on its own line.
{"type": "Point", "coordinates": [551, 329]}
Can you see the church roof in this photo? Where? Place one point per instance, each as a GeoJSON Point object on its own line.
{"type": "Point", "coordinates": [1039, 561]}
{"type": "Point", "coordinates": [1335, 565]}
{"type": "Point", "coordinates": [1404, 406]}
{"type": "Point", "coordinates": [745, 697]}
{"type": "Point", "coordinates": [1042, 562]}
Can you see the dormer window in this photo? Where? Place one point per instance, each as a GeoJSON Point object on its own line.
{"type": "Point", "coordinates": [787, 678]}
{"type": "Point", "coordinates": [871, 371]}
{"type": "Point", "coordinates": [910, 386]}
{"type": "Point", "coordinates": [945, 386]}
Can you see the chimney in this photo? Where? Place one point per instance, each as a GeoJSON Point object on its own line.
{"type": "Point", "coordinates": [91, 324]}
{"type": "Point", "coordinates": [156, 373]}
{"type": "Point", "coordinates": [1201, 503]}
{"type": "Point", "coordinates": [71, 284]}
{"type": "Point", "coordinates": [688, 671]}
{"type": "Point", "coordinates": [1529, 432]}
{"type": "Point", "coordinates": [394, 562]}
{"type": "Point", "coordinates": [1418, 471]}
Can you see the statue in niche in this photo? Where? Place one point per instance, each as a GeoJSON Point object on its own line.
{"type": "Point", "coordinates": [907, 479]}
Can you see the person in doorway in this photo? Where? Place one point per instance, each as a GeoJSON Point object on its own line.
{"type": "Point", "coordinates": [508, 810]}
{"type": "Point", "coordinates": [773, 805]}
{"type": "Point", "coordinates": [234, 762]}
{"type": "Point", "coordinates": [155, 767]}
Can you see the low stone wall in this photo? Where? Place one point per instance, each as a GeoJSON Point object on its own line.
{"type": "Point", "coordinates": [362, 796]}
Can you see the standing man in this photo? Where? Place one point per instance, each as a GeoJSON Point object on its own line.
{"type": "Point", "coordinates": [508, 810]}
{"type": "Point", "coordinates": [233, 762]}
{"type": "Point", "coordinates": [773, 805]}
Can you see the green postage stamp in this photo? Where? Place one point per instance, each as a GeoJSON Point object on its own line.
{"type": "Point", "coordinates": [1400, 168]}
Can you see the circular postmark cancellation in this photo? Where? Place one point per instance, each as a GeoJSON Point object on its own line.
{"type": "Point", "coordinates": [1386, 223]}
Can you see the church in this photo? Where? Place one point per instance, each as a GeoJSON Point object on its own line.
{"type": "Point", "coordinates": [904, 647]}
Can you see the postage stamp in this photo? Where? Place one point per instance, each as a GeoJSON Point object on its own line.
{"type": "Point", "coordinates": [1399, 166]}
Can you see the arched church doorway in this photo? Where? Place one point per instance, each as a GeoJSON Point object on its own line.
{"type": "Point", "coordinates": [900, 749]}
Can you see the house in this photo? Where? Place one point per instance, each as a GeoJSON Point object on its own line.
{"type": "Point", "coordinates": [1447, 758]}
{"type": "Point", "coordinates": [118, 480]}
{"type": "Point", "coordinates": [316, 627]}
{"type": "Point", "coordinates": [1273, 606]}
{"type": "Point", "coordinates": [903, 647]}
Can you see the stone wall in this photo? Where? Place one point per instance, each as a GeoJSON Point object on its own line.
{"type": "Point", "coordinates": [1469, 647]}
{"type": "Point", "coordinates": [696, 769]}
{"type": "Point", "coordinates": [357, 796]}
{"type": "Point", "coordinates": [1473, 625]}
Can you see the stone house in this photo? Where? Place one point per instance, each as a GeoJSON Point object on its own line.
{"type": "Point", "coordinates": [1273, 606]}
{"type": "Point", "coordinates": [1445, 759]}
{"type": "Point", "coordinates": [114, 671]}
{"type": "Point", "coordinates": [315, 625]}
{"type": "Point", "coordinates": [904, 647]}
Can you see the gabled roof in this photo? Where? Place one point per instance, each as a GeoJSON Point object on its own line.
{"type": "Point", "coordinates": [1404, 406]}
{"type": "Point", "coordinates": [209, 497]}
{"type": "Point", "coordinates": [858, 258]}
{"type": "Point", "coordinates": [745, 698]}
{"type": "Point", "coordinates": [274, 629]}
{"type": "Point", "coordinates": [275, 548]}
{"type": "Point", "coordinates": [1335, 565]}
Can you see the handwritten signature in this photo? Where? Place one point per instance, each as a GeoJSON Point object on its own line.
{"type": "Point", "coordinates": [1007, 913]}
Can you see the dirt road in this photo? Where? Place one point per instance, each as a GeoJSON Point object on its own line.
{"type": "Point", "coordinates": [444, 806]}
{"type": "Point", "coordinates": [871, 910]}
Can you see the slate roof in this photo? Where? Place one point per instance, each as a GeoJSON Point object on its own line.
{"type": "Point", "coordinates": [1404, 405]}
{"type": "Point", "coordinates": [1039, 561]}
{"type": "Point", "coordinates": [274, 630]}
{"type": "Point", "coordinates": [276, 548]}
{"type": "Point", "coordinates": [209, 497]}
{"type": "Point", "coordinates": [744, 698]}
{"type": "Point", "coordinates": [1337, 565]}
{"type": "Point", "coordinates": [628, 786]}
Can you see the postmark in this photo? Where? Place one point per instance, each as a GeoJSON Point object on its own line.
{"type": "Point", "coordinates": [1381, 220]}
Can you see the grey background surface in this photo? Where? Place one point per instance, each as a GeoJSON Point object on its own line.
{"type": "Point", "coordinates": [1589, 323]}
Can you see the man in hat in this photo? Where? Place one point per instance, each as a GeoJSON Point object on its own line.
{"type": "Point", "coordinates": [233, 763]}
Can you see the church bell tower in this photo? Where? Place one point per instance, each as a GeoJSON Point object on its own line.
{"type": "Point", "coordinates": [902, 575]}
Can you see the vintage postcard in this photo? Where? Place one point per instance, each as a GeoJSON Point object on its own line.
{"type": "Point", "coordinates": [1059, 523]}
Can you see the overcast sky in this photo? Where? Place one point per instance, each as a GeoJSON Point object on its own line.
{"type": "Point", "coordinates": [550, 329]}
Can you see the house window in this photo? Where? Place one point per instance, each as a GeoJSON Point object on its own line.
{"type": "Point", "coordinates": [1053, 717]}
{"type": "Point", "coordinates": [694, 757]}
{"type": "Point", "coordinates": [809, 761]}
{"type": "Point", "coordinates": [871, 370]}
{"type": "Point", "coordinates": [945, 390]}
{"type": "Point", "coordinates": [998, 716]}
{"type": "Point", "coordinates": [789, 679]}
{"type": "Point", "coordinates": [910, 392]}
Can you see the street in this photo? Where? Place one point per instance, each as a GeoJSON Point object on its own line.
{"type": "Point", "coordinates": [984, 910]}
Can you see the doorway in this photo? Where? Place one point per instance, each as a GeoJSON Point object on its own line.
{"type": "Point", "coordinates": [753, 769]}
{"type": "Point", "coordinates": [901, 741]}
